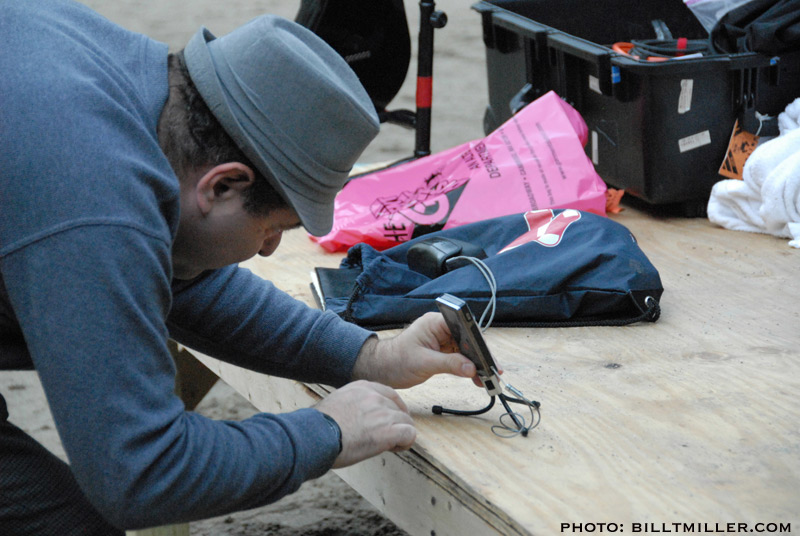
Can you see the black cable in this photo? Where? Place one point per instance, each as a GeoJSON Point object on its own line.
{"type": "Point", "coordinates": [533, 403]}
{"type": "Point", "coordinates": [668, 48]}
{"type": "Point", "coordinates": [438, 410]}
{"type": "Point", "coordinates": [514, 416]}
{"type": "Point", "coordinates": [520, 426]}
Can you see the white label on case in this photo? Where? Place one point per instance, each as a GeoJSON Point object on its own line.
{"type": "Point", "coordinates": [595, 150]}
{"type": "Point", "coordinates": [694, 141]}
{"type": "Point", "coordinates": [594, 84]}
{"type": "Point", "coordinates": [685, 99]}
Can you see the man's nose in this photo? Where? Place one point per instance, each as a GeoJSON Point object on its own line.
{"type": "Point", "coordinates": [270, 244]}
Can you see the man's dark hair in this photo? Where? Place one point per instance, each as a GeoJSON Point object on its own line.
{"type": "Point", "coordinates": [192, 138]}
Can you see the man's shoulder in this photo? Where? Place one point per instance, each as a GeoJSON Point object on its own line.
{"type": "Point", "coordinates": [53, 49]}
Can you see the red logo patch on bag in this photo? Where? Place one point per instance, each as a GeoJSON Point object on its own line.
{"type": "Point", "coordinates": [545, 228]}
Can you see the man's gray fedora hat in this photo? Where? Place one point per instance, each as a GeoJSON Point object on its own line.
{"type": "Point", "coordinates": [292, 105]}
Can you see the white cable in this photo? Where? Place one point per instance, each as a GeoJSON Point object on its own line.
{"type": "Point", "coordinates": [503, 429]}
{"type": "Point", "coordinates": [486, 272]}
{"type": "Point", "coordinates": [761, 118]}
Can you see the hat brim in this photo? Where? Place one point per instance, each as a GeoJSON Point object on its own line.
{"type": "Point", "coordinates": [316, 215]}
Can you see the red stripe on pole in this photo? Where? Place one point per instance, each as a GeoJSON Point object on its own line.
{"type": "Point", "coordinates": [424, 91]}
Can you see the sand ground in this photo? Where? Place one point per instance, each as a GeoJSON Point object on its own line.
{"type": "Point", "coordinates": [326, 506]}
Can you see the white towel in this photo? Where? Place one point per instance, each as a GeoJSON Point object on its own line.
{"type": "Point", "coordinates": [734, 205]}
{"type": "Point", "coordinates": [789, 119]}
{"type": "Point", "coordinates": [768, 199]}
{"type": "Point", "coordinates": [780, 205]}
{"type": "Point", "coordinates": [768, 156]}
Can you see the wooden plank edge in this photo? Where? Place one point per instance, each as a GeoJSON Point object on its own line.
{"type": "Point", "coordinates": [450, 507]}
{"type": "Point", "coordinates": [167, 530]}
{"type": "Point", "coordinates": [421, 500]}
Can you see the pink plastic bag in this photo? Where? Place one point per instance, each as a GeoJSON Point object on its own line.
{"type": "Point", "coordinates": [535, 160]}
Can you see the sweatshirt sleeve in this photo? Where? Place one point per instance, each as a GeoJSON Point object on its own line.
{"type": "Point", "coordinates": [91, 302]}
{"type": "Point", "coordinates": [234, 315]}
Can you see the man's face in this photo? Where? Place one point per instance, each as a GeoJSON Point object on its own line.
{"type": "Point", "coordinates": [215, 230]}
{"type": "Point", "coordinates": [231, 240]}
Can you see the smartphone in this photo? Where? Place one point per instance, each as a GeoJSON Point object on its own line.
{"type": "Point", "coordinates": [470, 340]}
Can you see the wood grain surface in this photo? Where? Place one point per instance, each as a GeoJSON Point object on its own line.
{"type": "Point", "coordinates": [693, 419]}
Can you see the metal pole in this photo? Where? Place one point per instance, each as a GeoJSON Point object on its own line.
{"type": "Point", "coordinates": [428, 21]}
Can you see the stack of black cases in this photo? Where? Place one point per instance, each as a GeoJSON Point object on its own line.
{"type": "Point", "coordinates": [658, 130]}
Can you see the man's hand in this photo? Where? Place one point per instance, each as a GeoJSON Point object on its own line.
{"type": "Point", "coordinates": [373, 419]}
{"type": "Point", "coordinates": [423, 349]}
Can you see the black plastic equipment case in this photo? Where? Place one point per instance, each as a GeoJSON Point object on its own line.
{"type": "Point", "coordinates": [659, 130]}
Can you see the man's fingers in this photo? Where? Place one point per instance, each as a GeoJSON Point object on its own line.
{"type": "Point", "coordinates": [455, 364]}
{"type": "Point", "coordinates": [373, 419]}
{"type": "Point", "coordinates": [461, 366]}
{"type": "Point", "coordinates": [389, 393]}
{"type": "Point", "coordinates": [406, 435]}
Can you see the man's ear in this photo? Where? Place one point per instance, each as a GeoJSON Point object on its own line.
{"type": "Point", "coordinates": [221, 183]}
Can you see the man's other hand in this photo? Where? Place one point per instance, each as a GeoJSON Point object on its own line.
{"type": "Point", "coordinates": [423, 349]}
{"type": "Point", "coordinates": [373, 419]}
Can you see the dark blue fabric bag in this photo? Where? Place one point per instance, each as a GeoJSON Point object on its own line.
{"type": "Point", "coordinates": [552, 267]}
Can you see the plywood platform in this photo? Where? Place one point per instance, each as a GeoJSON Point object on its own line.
{"type": "Point", "coordinates": [693, 419]}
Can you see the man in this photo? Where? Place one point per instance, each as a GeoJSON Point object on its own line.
{"type": "Point", "coordinates": [130, 186]}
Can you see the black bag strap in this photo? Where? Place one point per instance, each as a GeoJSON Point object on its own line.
{"type": "Point", "coordinates": [651, 314]}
